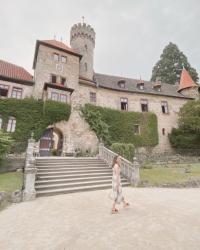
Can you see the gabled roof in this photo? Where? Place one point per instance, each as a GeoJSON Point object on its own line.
{"type": "Point", "coordinates": [55, 45]}
{"type": "Point", "coordinates": [186, 80]}
{"type": "Point", "coordinates": [14, 72]}
{"type": "Point", "coordinates": [131, 85]}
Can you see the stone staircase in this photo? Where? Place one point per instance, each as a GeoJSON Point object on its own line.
{"type": "Point", "coordinates": [60, 175]}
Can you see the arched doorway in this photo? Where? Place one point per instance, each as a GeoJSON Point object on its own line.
{"type": "Point", "coordinates": [51, 142]}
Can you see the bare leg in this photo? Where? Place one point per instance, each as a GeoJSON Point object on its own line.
{"type": "Point", "coordinates": [114, 210]}
{"type": "Point", "coordinates": [126, 204]}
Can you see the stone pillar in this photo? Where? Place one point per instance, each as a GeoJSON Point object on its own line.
{"type": "Point", "coordinates": [100, 155]}
{"type": "Point", "coordinates": [30, 170]}
{"type": "Point", "coordinates": [135, 175]}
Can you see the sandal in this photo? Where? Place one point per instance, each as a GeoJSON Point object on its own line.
{"type": "Point", "coordinates": [114, 211]}
{"type": "Point", "coordinates": [126, 204]}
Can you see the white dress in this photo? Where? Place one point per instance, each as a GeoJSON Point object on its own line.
{"type": "Point", "coordinates": [117, 192]}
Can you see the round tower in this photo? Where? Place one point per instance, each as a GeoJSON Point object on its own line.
{"type": "Point", "coordinates": [82, 39]}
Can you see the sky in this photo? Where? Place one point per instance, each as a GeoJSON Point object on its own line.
{"type": "Point", "coordinates": [130, 34]}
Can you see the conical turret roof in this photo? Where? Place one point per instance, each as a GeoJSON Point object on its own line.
{"type": "Point", "coordinates": [186, 81]}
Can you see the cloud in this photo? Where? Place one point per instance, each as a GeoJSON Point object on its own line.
{"type": "Point", "coordinates": [130, 34]}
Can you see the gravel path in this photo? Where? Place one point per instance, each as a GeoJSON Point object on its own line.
{"type": "Point", "coordinates": [157, 219]}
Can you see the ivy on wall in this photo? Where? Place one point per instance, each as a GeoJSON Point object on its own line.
{"type": "Point", "coordinates": [32, 116]}
{"type": "Point", "coordinates": [121, 125]}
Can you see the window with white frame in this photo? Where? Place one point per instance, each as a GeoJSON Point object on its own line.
{"type": "Point", "coordinates": [136, 129]}
{"type": "Point", "coordinates": [63, 98]}
{"type": "Point", "coordinates": [11, 124]}
{"type": "Point", "coordinates": [55, 57]}
{"type": "Point", "coordinates": [4, 90]}
{"type": "Point", "coordinates": [93, 97]}
{"type": "Point", "coordinates": [144, 105]}
{"type": "Point", "coordinates": [1, 122]}
{"type": "Point", "coordinates": [124, 104]}
{"type": "Point", "coordinates": [121, 84]}
{"type": "Point", "coordinates": [63, 59]}
{"type": "Point", "coordinates": [164, 107]}
{"type": "Point", "coordinates": [16, 93]}
{"type": "Point", "coordinates": [54, 96]}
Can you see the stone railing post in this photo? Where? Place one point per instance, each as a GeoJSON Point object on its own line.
{"type": "Point", "coordinates": [101, 145]}
{"type": "Point", "coordinates": [135, 174]}
{"type": "Point", "coordinates": [30, 170]}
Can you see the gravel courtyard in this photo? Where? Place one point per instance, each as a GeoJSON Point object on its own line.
{"type": "Point", "coordinates": [157, 219]}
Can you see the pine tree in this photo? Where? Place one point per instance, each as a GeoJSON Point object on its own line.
{"type": "Point", "coordinates": [168, 68]}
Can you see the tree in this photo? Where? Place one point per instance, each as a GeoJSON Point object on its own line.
{"type": "Point", "coordinates": [168, 68]}
{"type": "Point", "coordinates": [5, 143]}
{"type": "Point", "coordinates": [187, 135]}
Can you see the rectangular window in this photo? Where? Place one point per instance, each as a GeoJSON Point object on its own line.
{"type": "Point", "coordinates": [63, 80]}
{"type": "Point", "coordinates": [16, 93]}
{"type": "Point", "coordinates": [124, 104]}
{"type": "Point", "coordinates": [144, 105]}
{"type": "Point", "coordinates": [53, 78]}
{"type": "Point", "coordinates": [136, 129]}
{"type": "Point", "coordinates": [63, 59]}
{"type": "Point", "coordinates": [63, 98]}
{"type": "Point", "coordinates": [55, 57]}
{"type": "Point", "coordinates": [4, 90]}
{"type": "Point", "coordinates": [93, 97]}
{"type": "Point", "coordinates": [54, 96]}
{"type": "Point", "coordinates": [164, 107]}
{"type": "Point", "coordinates": [11, 125]}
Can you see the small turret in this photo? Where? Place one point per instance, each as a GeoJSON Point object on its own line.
{"type": "Point", "coordinates": [187, 86]}
{"type": "Point", "coordinates": [82, 39]}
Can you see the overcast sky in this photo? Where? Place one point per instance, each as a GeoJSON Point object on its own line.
{"type": "Point", "coordinates": [130, 34]}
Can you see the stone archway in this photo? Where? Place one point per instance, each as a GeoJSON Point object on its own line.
{"type": "Point", "coordinates": [51, 142]}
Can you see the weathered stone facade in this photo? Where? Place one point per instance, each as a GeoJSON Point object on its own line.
{"type": "Point", "coordinates": [75, 65]}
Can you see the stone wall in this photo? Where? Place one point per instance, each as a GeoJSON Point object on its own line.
{"type": "Point", "coordinates": [46, 66]}
{"type": "Point", "coordinates": [111, 99]}
{"type": "Point", "coordinates": [27, 90]}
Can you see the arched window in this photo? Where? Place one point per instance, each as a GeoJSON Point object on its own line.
{"type": "Point", "coordinates": [163, 131]}
{"type": "Point", "coordinates": [11, 124]}
{"type": "Point", "coordinates": [86, 47]}
{"type": "Point", "coordinates": [1, 122]}
{"type": "Point", "coordinates": [85, 66]}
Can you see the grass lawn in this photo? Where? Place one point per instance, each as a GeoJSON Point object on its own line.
{"type": "Point", "coordinates": [11, 181]}
{"type": "Point", "coordinates": [155, 175]}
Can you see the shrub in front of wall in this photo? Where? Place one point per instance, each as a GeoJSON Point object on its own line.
{"type": "Point", "coordinates": [31, 116]}
{"type": "Point", "coordinates": [121, 125]}
{"type": "Point", "coordinates": [126, 150]}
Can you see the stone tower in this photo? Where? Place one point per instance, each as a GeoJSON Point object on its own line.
{"type": "Point", "coordinates": [82, 39]}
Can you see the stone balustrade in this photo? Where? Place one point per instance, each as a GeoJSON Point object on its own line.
{"type": "Point", "coordinates": [30, 170]}
{"type": "Point", "coordinates": [129, 170]}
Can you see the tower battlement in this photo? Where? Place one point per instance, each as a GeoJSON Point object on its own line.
{"type": "Point", "coordinates": [82, 30]}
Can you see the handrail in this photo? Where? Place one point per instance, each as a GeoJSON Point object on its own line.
{"type": "Point", "coordinates": [129, 170]}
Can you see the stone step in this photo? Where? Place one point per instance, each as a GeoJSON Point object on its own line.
{"type": "Point", "coordinates": [74, 172]}
{"type": "Point", "coordinates": [59, 169]}
{"type": "Point", "coordinates": [78, 179]}
{"type": "Point", "coordinates": [76, 189]}
{"type": "Point", "coordinates": [73, 184]}
{"type": "Point", "coordinates": [65, 158]}
{"type": "Point", "coordinates": [70, 160]}
{"type": "Point", "coordinates": [67, 176]}
{"type": "Point", "coordinates": [70, 165]}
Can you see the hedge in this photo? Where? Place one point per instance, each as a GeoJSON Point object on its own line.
{"type": "Point", "coordinates": [120, 125]}
{"type": "Point", "coordinates": [32, 116]}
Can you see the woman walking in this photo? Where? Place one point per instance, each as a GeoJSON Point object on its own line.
{"type": "Point", "coordinates": [116, 185]}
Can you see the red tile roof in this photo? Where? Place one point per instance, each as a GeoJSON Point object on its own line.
{"type": "Point", "coordinates": [58, 44]}
{"type": "Point", "coordinates": [55, 45]}
{"type": "Point", "coordinates": [13, 71]}
{"type": "Point", "coordinates": [186, 80]}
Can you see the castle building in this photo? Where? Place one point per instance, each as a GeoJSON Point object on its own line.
{"type": "Point", "coordinates": [66, 74]}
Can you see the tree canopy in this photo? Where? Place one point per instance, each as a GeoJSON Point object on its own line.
{"type": "Point", "coordinates": [187, 135]}
{"type": "Point", "coordinates": [168, 68]}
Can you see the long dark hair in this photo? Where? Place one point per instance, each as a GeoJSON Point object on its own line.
{"type": "Point", "coordinates": [115, 160]}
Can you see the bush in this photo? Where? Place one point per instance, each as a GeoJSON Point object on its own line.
{"type": "Point", "coordinates": [126, 150]}
{"type": "Point", "coordinates": [5, 144]}
{"type": "Point", "coordinates": [119, 125]}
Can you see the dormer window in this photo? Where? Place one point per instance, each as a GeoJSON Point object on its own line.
{"type": "Point", "coordinates": [157, 86]}
{"type": "Point", "coordinates": [121, 84]}
{"type": "Point", "coordinates": [140, 85]}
